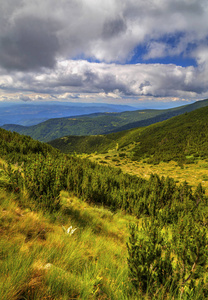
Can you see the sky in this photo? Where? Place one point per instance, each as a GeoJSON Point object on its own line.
{"type": "Point", "coordinates": [113, 51]}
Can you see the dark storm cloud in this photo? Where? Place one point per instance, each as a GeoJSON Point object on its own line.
{"type": "Point", "coordinates": [29, 43]}
{"type": "Point", "coordinates": [112, 28]}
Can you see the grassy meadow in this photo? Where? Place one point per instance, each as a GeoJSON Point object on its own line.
{"type": "Point", "coordinates": [193, 173]}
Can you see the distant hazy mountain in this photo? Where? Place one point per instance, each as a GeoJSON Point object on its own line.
{"type": "Point", "coordinates": [33, 113]}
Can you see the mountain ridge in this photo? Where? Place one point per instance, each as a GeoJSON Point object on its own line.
{"type": "Point", "coordinates": [182, 138]}
{"type": "Point", "coordinates": [35, 113]}
{"type": "Point", "coordinates": [99, 123]}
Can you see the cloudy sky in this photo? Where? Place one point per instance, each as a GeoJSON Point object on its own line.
{"type": "Point", "coordinates": [117, 51]}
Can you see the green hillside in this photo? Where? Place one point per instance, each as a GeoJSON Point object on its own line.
{"type": "Point", "coordinates": [99, 123]}
{"type": "Point", "coordinates": [74, 229]}
{"type": "Point", "coordinates": [96, 143]}
{"type": "Point", "coordinates": [165, 115]}
{"type": "Point", "coordinates": [15, 146]}
{"type": "Point", "coordinates": [182, 138]}
{"type": "Point", "coordinates": [82, 125]}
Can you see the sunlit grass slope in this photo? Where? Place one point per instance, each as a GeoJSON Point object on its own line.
{"type": "Point", "coordinates": [40, 260]}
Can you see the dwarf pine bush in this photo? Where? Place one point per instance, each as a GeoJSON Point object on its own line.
{"type": "Point", "coordinates": [149, 261]}
{"type": "Point", "coordinates": [174, 265]}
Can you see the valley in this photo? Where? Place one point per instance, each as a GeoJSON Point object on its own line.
{"type": "Point", "coordinates": [115, 216]}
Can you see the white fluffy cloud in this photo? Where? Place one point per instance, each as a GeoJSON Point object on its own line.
{"type": "Point", "coordinates": [46, 47]}
{"type": "Point", "coordinates": [71, 78]}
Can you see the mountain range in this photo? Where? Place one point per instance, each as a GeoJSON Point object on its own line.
{"type": "Point", "coordinates": [29, 114]}
{"type": "Point", "coordinates": [100, 123]}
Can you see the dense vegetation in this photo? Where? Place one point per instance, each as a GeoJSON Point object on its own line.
{"type": "Point", "coordinates": [100, 123]}
{"type": "Point", "coordinates": [183, 138]}
{"type": "Point", "coordinates": [14, 146]}
{"type": "Point", "coordinates": [94, 143]}
{"type": "Point", "coordinates": [167, 247]}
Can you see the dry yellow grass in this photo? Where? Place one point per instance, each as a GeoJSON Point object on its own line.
{"type": "Point", "coordinates": [52, 264]}
{"type": "Point", "coordinates": [192, 173]}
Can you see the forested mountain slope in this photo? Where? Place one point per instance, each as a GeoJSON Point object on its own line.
{"type": "Point", "coordinates": [73, 229]}
{"type": "Point", "coordinates": [181, 138]}
{"type": "Point", "coordinates": [97, 143]}
{"type": "Point", "coordinates": [102, 123]}
{"type": "Point", "coordinates": [165, 115]}
{"type": "Point", "coordinates": [92, 124]}
{"type": "Point", "coordinates": [18, 146]}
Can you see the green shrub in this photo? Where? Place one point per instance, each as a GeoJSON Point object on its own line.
{"type": "Point", "coordinates": [149, 261]}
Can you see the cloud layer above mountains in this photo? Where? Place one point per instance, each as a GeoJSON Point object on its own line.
{"type": "Point", "coordinates": [93, 49]}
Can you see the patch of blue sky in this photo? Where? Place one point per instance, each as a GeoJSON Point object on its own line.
{"type": "Point", "coordinates": [170, 43]}
{"type": "Point", "coordinates": [180, 60]}
{"type": "Point", "coordinates": [176, 60]}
